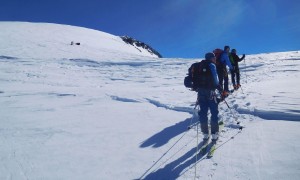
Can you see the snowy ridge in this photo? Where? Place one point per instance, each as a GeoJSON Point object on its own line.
{"type": "Point", "coordinates": [123, 116]}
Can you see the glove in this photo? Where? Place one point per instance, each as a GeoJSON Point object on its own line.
{"type": "Point", "coordinates": [220, 89]}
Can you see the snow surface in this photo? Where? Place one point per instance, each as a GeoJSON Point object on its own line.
{"type": "Point", "coordinates": [73, 114]}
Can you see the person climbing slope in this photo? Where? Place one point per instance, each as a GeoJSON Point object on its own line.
{"type": "Point", "coordinates": [235, 72]}
{"type": "Point", "coordinates": [208, 82]}
{"type": "Point", "coordinates": [222, 71]}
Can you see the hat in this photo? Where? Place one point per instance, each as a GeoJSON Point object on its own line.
{"type": "Point", "coordinates": [209, 55]}
{"type": "Point", "coordinates": [233, 50]}
{"type": "Point", "coordinates": [226, 47]}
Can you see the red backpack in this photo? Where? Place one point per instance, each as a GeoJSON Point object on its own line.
{"type": "Point", "coordinates": [218, 53]}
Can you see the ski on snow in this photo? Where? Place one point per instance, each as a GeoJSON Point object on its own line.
{"type": "Point", "coordinates": [209, 148]}
{"type": "Point", "coordinates": [212, 150]}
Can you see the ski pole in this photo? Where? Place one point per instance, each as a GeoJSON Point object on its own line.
{"type": "Point", "coordinates": [235, 117]}
{"type": "Point", "coordinates": [245, 70]}
{"type": "Point", "coordinates": [192, 123]}
{"type": "Point", "coordinates": [242, 89]}
{"type": "Point", "coordinates": [196, 152]}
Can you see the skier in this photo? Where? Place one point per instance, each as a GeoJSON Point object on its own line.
{"type": "Point", "coordinates": [207, 99]}
{"type": "Point", "coordinates": [234, 58]}
{"type": "Point", "coordinates": [222, 71]}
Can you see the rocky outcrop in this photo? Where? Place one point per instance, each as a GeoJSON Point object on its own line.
{"type": "Point", "coordinates": [138, 44]}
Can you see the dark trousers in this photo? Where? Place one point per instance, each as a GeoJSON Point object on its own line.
{"type": "Point", "coordinates": [223, 76]}
{"type": "Point", "coordinates": [235, 73]}
{"type": "Point", "coordinates": [207, 101]}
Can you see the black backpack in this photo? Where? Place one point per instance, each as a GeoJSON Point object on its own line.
{"type": "Point", "coordinates": [199, 76]}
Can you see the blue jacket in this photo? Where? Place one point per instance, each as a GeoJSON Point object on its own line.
{"type": "Point", "coordinates": [213, 70]}
{"type": "Point", "coordinates": [225, 60]}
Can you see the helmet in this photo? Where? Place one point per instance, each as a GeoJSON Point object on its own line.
{"type": "Point", "coordinates": [209, 55]}
{"type": "Point", "coordinates": [226, 47]}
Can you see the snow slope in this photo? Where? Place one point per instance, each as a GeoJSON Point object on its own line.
{"type": "Point", "coordinates": [75, 115]}
{"type": "Point", "coordinates": [45, 40]}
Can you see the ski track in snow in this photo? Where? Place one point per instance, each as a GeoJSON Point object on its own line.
{"type": "Point", "coordinates": [82, 111]}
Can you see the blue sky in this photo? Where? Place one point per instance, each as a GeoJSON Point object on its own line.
{"type": "Point", "coordinates": [175, 28]}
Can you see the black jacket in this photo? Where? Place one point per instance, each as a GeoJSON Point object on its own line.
{"type": "Point", "coordinates": [234, 59]}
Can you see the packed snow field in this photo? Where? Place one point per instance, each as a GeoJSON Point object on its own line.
{"type": "Point", "coordinates": [69, 114]}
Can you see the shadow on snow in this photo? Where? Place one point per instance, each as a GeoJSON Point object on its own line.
{"type": "Point", "coordinates": [174, 169]}
{"type": "Point", "coordinates": [164, 136]}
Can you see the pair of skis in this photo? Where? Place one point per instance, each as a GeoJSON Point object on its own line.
{"type": "Point", "coordinates": [207, 148]}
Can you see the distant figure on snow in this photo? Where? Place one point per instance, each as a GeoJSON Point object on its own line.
{"type": "Point", "coordinates": [72, 43]}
